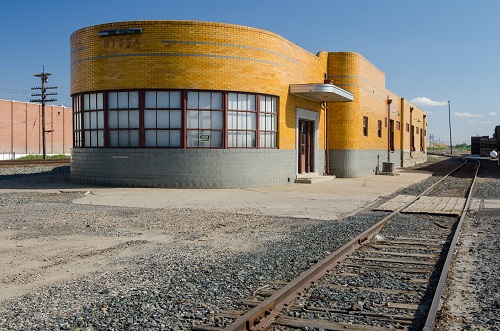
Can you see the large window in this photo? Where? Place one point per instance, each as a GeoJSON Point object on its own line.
{"type": "Point", "coordinates": [241, 120]}
{"type": "Point", "coordinates": [162, 119]}
{"type": "Point", "coordinates": [93, 119]}
{"type": "Point", "coordinates": [77, 122]}
{"type": "Point", "coordinates": [175, 119]}
{"type": "Point", "coordinates": [123, 119]}
{"type": "Point", "coordinates": [204, 119]}
{"type": "Point", "coordinates": [268, 121]}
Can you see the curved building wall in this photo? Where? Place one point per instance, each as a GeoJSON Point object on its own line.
{"type": "Point", "coordinates": [371, 129]}
{"type": "Point", "coordinates": [185, 58]}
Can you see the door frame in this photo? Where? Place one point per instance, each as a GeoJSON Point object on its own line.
{"type": "Point", "coordinates": [311, 116]}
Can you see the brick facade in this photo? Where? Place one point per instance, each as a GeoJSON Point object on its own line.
{"type": "Point", "coordinates": [21, 129]}
{"type": "Point", "coordinates": [204, 56]}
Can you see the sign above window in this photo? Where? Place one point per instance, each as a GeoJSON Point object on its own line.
{"type": "Point", "coordinates": [119, 32]}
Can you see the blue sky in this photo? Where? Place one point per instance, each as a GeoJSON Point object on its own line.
{"type": "Point", "coordinates": [432, 51]}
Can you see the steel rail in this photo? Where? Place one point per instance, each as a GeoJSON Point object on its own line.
{"type": "Point", "coordinates": [264, 314]}
{"type": "Point", "coordinates": [434, 308]}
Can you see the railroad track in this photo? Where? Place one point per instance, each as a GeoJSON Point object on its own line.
{"type": "Point", "coordinates": [389, 277]}
{"type": "Point", "coordinates": [38, 162]}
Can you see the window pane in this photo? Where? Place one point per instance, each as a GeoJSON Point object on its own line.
{"type": "Point", "coordinates": [205, 133]}
{"type": "Point", "coordinates": [205, 100]}
{"type": "Point", "coordinates": [262, 103]}
{"type": "Point", "coordinates": [175, 138]}
{"type": "Point", "coordinates": [273, 140]}
{"type": "Point", "coordinates": [269, 119]}
{"type": "Point", "coordinates": [163, 120]}
{"type": "Point", "coordinates": [192, 138]}
{"type": "Point", "coordinates": [217, 122]}
{"type": "Point", "coordinates": [232, 101]}
{"type": "Point", "coordinates": [122, 100]}
{"type": "Point", "coordinates": [216, 138]}
{"type": "Point", "coordinates": [93, 138]}
{"type": "Point", "coordinates": [133, 99]}
{"type": "Point", "coordinates": [100, 101]}
{"type": "Point", "coordinates": [205, 119]}
{"type": "Point", "coordinates": [232, 117]}
{"type": "Point", "coordinates": [113, 138]}
{"type": "Point", "coordinates": [150, 118]}
{"type": "Point", "coordinates": [100, 138]}
{"type": "Point", "coordinates": [133, 119]}
{"type": "Point", "coordinates": [176, 119]}
{"type": "Point", "coordinates": [269, 104]}
{"type": "Point", "coordinates": [216, 100]}
{"type": "Point", "coordinates": [192, 100]}
{"type": "Point", "coordinates": [252, 121]}
{"type": "Point", "coordinates": [262, 119]}
{"type": "Point", "coordinates": [87, 138]}
{"type": "Point", "coordinates": [242, 121]}
{"type": "Point", "coordinates": [86, 120]}
{"type": "Point", "coordinates": [251, 102]}
{"type": "Point", "coordinates": [93, 120]}
{"type": "Point", "coordinates": [100, 119]}
{"type": "Point", "coordinates": [150, 138]}
{"type": "Point", "coordinates": [93, 102]}
{"type": "Point", "coordinates": [150, 101]}
{"type": "Point", "coordinates": [86, 102]}
{"type": "Point", "coordinates": [134, 138]}
{"type": "Point", "coordinates": [251, 139]}
{"type": "Point", "coordinates": [274, 125]}
{"type": "Point", "coordinates": [242, 102]}
{"type": "Point", "coordinates": [123, 138]}
{"type": "Point", "coordinates": [113, 119]}
{"type": "Point", "coordinates": [163, 100]}
{"type": "Point", "coordinates": [112, 100]}
{"type": "Point", "coordinates": [241, 139]}
{"type": "Point", "coordinates": [192, 120]}
{"type": "Point", "coordinates": [231, 139]}
{"type": "Point", "coordinates": [163, 138]}
{"type": "Point", "coordinates": [123, 119]}
{"type": "Point", "coordinates": [274, 109]}
{"type": "Point", "coordinates": [175, 99]}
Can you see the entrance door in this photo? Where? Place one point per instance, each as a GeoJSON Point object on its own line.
{"type": "Point", "coordinates": [391, 135]}
{"type": "Point", "coordinates": [306, 139]}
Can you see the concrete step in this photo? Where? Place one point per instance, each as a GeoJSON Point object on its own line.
{"type": "Point", "coordinates": [312, 178]}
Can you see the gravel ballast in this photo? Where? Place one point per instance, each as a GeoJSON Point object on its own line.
{"type": "Point", "coordinates": [136, 269]}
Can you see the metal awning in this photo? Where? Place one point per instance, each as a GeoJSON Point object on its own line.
{"type": "Point", "coordinates": [321, 92]}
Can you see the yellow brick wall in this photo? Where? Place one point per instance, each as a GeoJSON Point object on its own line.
{"type": "Point", "coordinates": [198, 55]}
{"type": "Point", "coordinates": [354, 73]}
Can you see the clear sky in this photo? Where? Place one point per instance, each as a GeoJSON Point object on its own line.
{"type": "Point", "coordinates": [432, 51]}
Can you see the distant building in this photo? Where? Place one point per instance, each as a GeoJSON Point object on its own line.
{"type": "Point", "coordinates": [482, 146]}
{"type": "Point", "coordinates": [21, 129]}
{"type": "Point", "coordinates": [200, 104]}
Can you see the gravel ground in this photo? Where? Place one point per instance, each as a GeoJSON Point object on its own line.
{"type": "Point", "coordinates": [136, 269]}
{"type": "Point", "coordinates": [472, 299]}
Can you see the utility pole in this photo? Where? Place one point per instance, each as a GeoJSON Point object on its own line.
{"type": "Point", "coordinates": [449, 122]}
{"type": "Point", "coordinates": [44, 76]}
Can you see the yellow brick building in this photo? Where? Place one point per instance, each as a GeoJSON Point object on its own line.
{"type": "Point", "coordinates": [200, 104]}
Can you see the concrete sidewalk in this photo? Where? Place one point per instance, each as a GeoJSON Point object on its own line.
{"type": "Point", "coordinates": [331, 199]}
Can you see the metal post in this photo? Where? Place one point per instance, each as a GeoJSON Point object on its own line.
{"type": "Point", "coordinates": [43, 118]}
{"type": "Point", "coordinates": [389, 101]}
{"type": "Point", "coordinates": [449, 121]}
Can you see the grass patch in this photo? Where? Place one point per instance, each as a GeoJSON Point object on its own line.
{"type": "Point", "coordinates": [39, 157]}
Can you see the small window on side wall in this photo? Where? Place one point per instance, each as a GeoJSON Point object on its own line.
{"type": "Point", "coordinates": [365, 126]}
{"type": "Point", "coordinates": [379, 132]}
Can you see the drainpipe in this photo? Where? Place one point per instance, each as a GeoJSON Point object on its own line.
{"type": "Point", "coordinates": [389, 101]}
{"type": "Point", "coordinates": [327, 154]}
{"type": "Point", "coordinates": [411, 132]}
